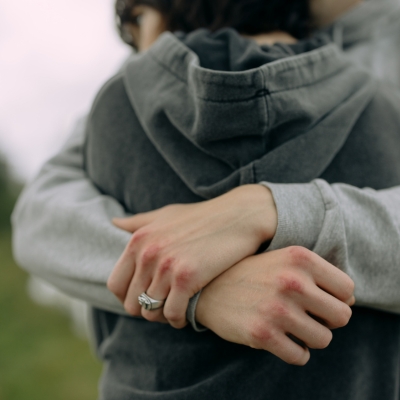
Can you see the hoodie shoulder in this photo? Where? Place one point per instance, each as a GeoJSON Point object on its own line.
{"type": "Point", "coordinates": [112, 130]}
{"type": "Point", "coordinates": [110, 98]}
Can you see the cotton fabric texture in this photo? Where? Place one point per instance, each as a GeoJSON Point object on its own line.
{"type": "Point", "coordinates": [167, 130]}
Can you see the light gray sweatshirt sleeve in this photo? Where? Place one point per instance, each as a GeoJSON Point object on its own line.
{"type": "Point", "coordinates": [62, 230]}
{"type": "Point", "coordinates": [357, 230]}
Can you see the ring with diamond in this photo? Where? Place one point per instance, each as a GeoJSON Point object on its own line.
{"type": "Point", "coordinates": [150, 304]}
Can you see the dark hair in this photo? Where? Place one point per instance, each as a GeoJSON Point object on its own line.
{"type": "Point", "coordinates": [246, 16]}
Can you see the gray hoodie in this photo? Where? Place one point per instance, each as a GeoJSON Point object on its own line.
{"type": "Point", "coordinates": [197, 116]}
{"type": "Point", "coordinates": [71, 273]}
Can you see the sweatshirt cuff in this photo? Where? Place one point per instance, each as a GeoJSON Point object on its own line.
{"type": "Point", "coordinates": [191, 313]}
{"type": "Point", "coordinates": [301, 214]}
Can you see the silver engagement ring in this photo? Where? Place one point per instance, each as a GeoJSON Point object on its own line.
{"type": "Point", "coordinates": [150, 304]}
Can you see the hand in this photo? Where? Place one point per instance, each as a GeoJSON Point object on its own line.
{"type": "Point", "coordinates": [179, 249]}
{"type": "Point", "coordinates": [267, 300]}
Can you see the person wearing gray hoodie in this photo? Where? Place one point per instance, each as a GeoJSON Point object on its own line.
{"type": "Point", "coordinates": [330, 134]}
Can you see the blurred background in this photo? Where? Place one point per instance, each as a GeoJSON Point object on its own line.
{"type": "Point", "coordinates": [54, 56]}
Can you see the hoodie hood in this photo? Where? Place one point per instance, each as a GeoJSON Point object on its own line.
{"type": "Point", "coordinates": [245, 113]}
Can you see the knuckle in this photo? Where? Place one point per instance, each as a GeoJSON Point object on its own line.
{"type": "Point", "coordinates": [150, 253]}
{"type": "Point", "coordinates": [278, 310]}
{"type": "Point", "coordinates": [299, 256]}
{"type": "Point", "coordinates": [135, 240]}
{"type": "Point", "coordinates": [348, 287]}
{"type": "Point", "coordinates": [114, 286]}
{"type": "Point", "coordinates": [343, 316]}
{"type": "Point", "coordinates": [150, 316]}
{"type": "Point", "coordinates": [297, 358]}
{"type": "Point", "coordinates": [131, 308]}
{"type": "Point", "coordinates": [166, 266]}
{"type": "Point", "coordinates": [183, 277]}
{"type": "Point", "coordinates": [173, 316]}
{"type": "Point", "coordinates": [138, 236]}
{"type": "Point", "coordinates": [178, 325]}
{"type": "Point", "coordinates": [290, 283]}
{"type": "Point", "coordinates": [260, 336]}
{"type": "Point", "coordinates": [324, 340]}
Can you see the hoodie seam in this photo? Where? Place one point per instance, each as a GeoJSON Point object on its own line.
{"type": "Point", "coordinates": [262, 70]}
{"type": "Point", "coordinates": [160, 63]}
{"type": "Point", "coordinates": [266, 120]}
{"type": "Point", "coordinates": [336, 72]}
{"type": "Point", "coordinates": [279, 66]}
{"type": "Point", "coordinates": [268, 92]}
{"type": "Point", "coordinates": [287, 64]}
{"type": "Point", "coordinates": [254, 97]}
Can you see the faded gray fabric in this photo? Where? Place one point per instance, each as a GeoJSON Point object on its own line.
{"type": "Point", "coordinates": [322, 218]}
{"type": "Point", "coordinates": [222, 359]}
{"type": "Point", "coordinates": [166, 130]}
{"type": "Point", "coordinates": [61, 197]}
{"type": "Point", "coordinates": [78, 245]}
{"type": "Point", "coordinates": [237, 133]}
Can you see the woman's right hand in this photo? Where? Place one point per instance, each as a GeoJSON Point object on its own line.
{"type": "Point", "coordinates": [266, 300]}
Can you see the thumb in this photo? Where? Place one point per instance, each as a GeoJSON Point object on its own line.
{"type": "Point", "coordinates": [132, 224]}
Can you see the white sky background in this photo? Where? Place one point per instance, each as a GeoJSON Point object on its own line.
{"type": "Point", "coordinates": [54, 56]}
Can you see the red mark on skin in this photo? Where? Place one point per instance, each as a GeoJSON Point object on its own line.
{"type": "Point", "coordinates": [260, 335]}
{"type": "Point", "coordinates": [166, 266]}
{"type": "Point", "coordinates": [300, 256]}
{"type": "Point", "coordinates": [291, 285]}
{"type": "Point", "coordinates": [150, 253]}
{"type": "Point", "coordinates": [183, 278]}
{"type": "Point", "coordinates": [279, 310]}
{"type": "Point", "coordinates": [138, 236]}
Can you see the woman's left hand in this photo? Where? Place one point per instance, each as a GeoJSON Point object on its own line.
{"type": "Point", "coordinates": [177, 250]}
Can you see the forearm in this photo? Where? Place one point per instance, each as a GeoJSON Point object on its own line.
{"type": "Point", "coordinates": [63, 231]}
{"type": "Point", "coordinates": [358, 230]}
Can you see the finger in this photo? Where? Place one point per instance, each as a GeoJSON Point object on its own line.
{"type": "Point", "coordinates": [155, 315]}
{"type": "Point", "coordinates": [121, 276]}
{"type": "Point", "coordinates": [351, 302]}
{"type": "Point", "coordinates": [333, 280]}
{"type": "Point", "coordinates": [139, 284]}
{"type": "Point", "coordinates": [157, 290]}
{"type": "Point", "coordinates": [175, 308]}
{"type": "Point", "coordinates": [132, 224]}
{"type": "Point", "coordinates": [333, 312]}
{"type": "Point", "coordinates": [286, 349]}
{"type": "Point", "coordinates": [313, 334]}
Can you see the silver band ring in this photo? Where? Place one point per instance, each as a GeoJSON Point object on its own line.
{"type": "Point", "coordinates": [150, 304]}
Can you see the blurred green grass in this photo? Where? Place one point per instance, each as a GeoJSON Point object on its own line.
{"type": "Point", "coordinates": [40, 359]}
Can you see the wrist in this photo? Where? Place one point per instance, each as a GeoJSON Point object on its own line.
{"type": "Point", "coordinates": [264, 214]}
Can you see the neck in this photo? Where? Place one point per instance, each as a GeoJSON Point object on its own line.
{"type": "Point", "coordinates": [325, 12]}
{"type": "Point", "coordinates": [272, 38]}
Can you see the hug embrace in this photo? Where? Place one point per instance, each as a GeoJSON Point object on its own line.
{"type": "Point", "coordinates": [230, 208]}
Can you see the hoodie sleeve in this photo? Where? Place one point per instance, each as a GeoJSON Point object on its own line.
{"type": "Point", "coordinates": [358, 230]}
{"type": "Point", "coordinates": [62, 230]}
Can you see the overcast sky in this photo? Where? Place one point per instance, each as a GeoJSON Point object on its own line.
{"type": "Point", "coordinates": [54, 56]}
